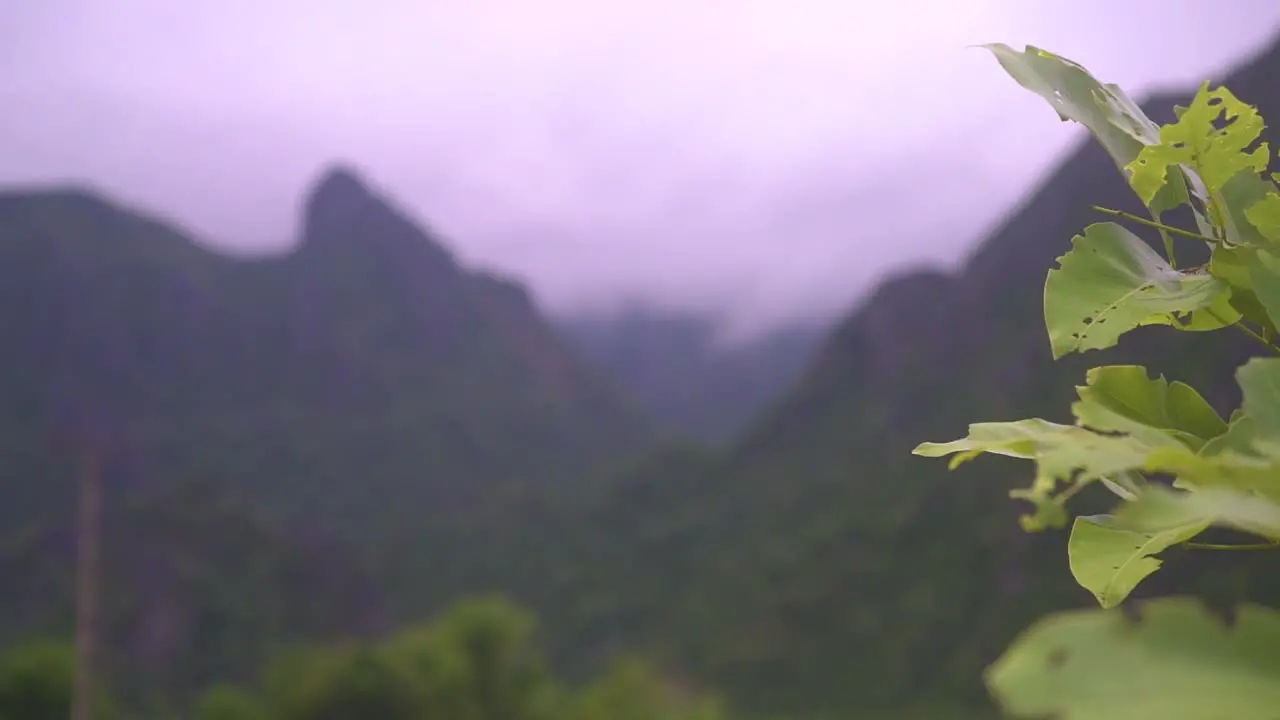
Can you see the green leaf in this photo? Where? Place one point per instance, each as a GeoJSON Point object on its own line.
{"type": "Point", "coordinates": [1236, 266]}
{"type": "Point", "coordinates": [1062, 453]}
{"type": "Point", "coordinates": [1216, 153]}
{"type": "Point", "coordinates": [1020, 439]}
{"type": "Point", "coordinates": [1247, 456]}
{"type": "Point", "coordinates": [1240, 196]}
{"type": "Point", "coordinates": [1110, 561]}
{"type": "Point", "coordinates": [1122, 398]}
{"type": "Point", "coordinates": [1158, 510]}
{"type": "Point", "coordinates": [1111, 115]}
{"type": "Point", "coordinates": [1259, 381]}
{"type": "Point", "coordinates": [1175, 662]}
{"type": "Point", "coordinates": [1143, 425]}
{"type": "Point", "coordinates": [1264, 277]}
{"type": "Point", "coordinates": [1229, 469]}
{"type": "Point", "coordinates": [1112, 282]}
{"type": "Point", "coordinates": [1265, 216]}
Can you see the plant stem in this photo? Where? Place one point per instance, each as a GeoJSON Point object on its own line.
{"type": "Point", "coordinates": [1247, 331]}
{"type": "Point", "coordinates": [1158, 226]}
{"type": "Point", "coordinates": [1239, 325]}
{"type": "Point", "coordinates": [1228, 546]}
{"type": "Point", "coordinates": [1168, 248]}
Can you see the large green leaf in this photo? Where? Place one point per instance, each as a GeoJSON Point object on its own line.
{"type": "Point", "coordinates": [1112, 282]}
{"type": "Point", "coordinates": [1175, 661]}
{"type": "Point", "coordinates": [1229, 469]}
{"type": "Point", "coordinates": [1110, 561]}
{"type": "Point", "coordinates": [1263, 268]}
{"type": "Point", "coordinates": [1122, 398]}
{"type": "Point", "coordinates": [1247, 456]}
{"type": "Point", "coordinates": [1158, 511]}
{"type": "Point", "coordinates": [1111, 115]}
{"type": "Point", "coordinates": [1265, 216]}
{"type": "Point", "coordinates": [1248, 207]}
{"type": "Point", "coordinates": [1137, 424]}
{"type": "Point", "coordinates": [1020, 439]}
{"type": "Point", "coordinates": [1216, 151]}
{"type": "Point", "coordinates": [1259, 381]}
{"type": "Point", "coordinates": [1062, 453]}
{"type": "Point", "coordinates": [1059, 450]}
{"type": "Point", "coordinates": [1250, 283]}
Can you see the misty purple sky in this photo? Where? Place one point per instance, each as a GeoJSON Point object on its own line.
{"type": "Point", "coordinates": [773, 156]}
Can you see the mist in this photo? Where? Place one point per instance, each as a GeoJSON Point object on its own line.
{"type": "Point", "coordinates": [759, 160]}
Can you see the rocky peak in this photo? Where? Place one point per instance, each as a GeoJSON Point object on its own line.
{"type": "Point", "coordinates": [342, 211]}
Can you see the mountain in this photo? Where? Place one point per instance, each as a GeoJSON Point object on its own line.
{"type": "Point", "coordinates": [365, 362]}
{"type": "Point", "coordinates": [365, 430]}
{"type": "Point", "coordinates": [676, 365]}
{"type": "Point", "coordinates": [364, 386]}
{"type": "Point", "coordinates": [196, 586]}
{"type": "Point", "coordinates": [829, 570]}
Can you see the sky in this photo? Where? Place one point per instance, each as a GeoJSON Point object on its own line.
{"type": "Point", "coordinates": [765, 159]}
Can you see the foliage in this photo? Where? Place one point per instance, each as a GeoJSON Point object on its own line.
{"type": "Point", "coordinates": [225, 702]}
{"type": "Point", "coordinates": [339, 683]}
{"type": "Point", "coordinates": [631, 691]}
{"type": "Point", "coordinates": [1130, 430]}
{"type": "Point", "coordinates": [35, 684]}
{"type": "Point", "coordinates": [478, 662]}
{"type": "Point", "coordinates": [1176, 661]}
{"type": "Point", "coordinates": [475, 662]}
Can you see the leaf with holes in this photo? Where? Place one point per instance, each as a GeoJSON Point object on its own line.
{"type": "Point", "coordinates": [1109, 113]}
{"type": "Point", "coordinates": [1174, 661]}
{"type": "Point", "coordinates": [1196, 140]}
{"type": "Point", "coordinates": [1111, 282]}
{"type": "Point", "coordinates": [1110, 561]}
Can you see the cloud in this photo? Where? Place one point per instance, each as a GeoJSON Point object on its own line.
{"type": "Point", "coordinates": [766, 156]}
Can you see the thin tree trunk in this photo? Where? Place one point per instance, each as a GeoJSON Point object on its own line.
{"type": "Point", "coordinates": [88, 530]}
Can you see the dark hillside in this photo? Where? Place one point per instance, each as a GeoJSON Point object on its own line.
{"type": "Point", "coordinates": [364, 387]}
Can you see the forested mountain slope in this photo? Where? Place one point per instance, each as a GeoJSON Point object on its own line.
{"type": "Point", "coordinates": [366, 366]}
{"type": "Point", "coordinates": [364, 387]}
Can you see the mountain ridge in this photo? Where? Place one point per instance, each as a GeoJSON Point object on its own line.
{"type": "Point", "coordinates": [365, 387]}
